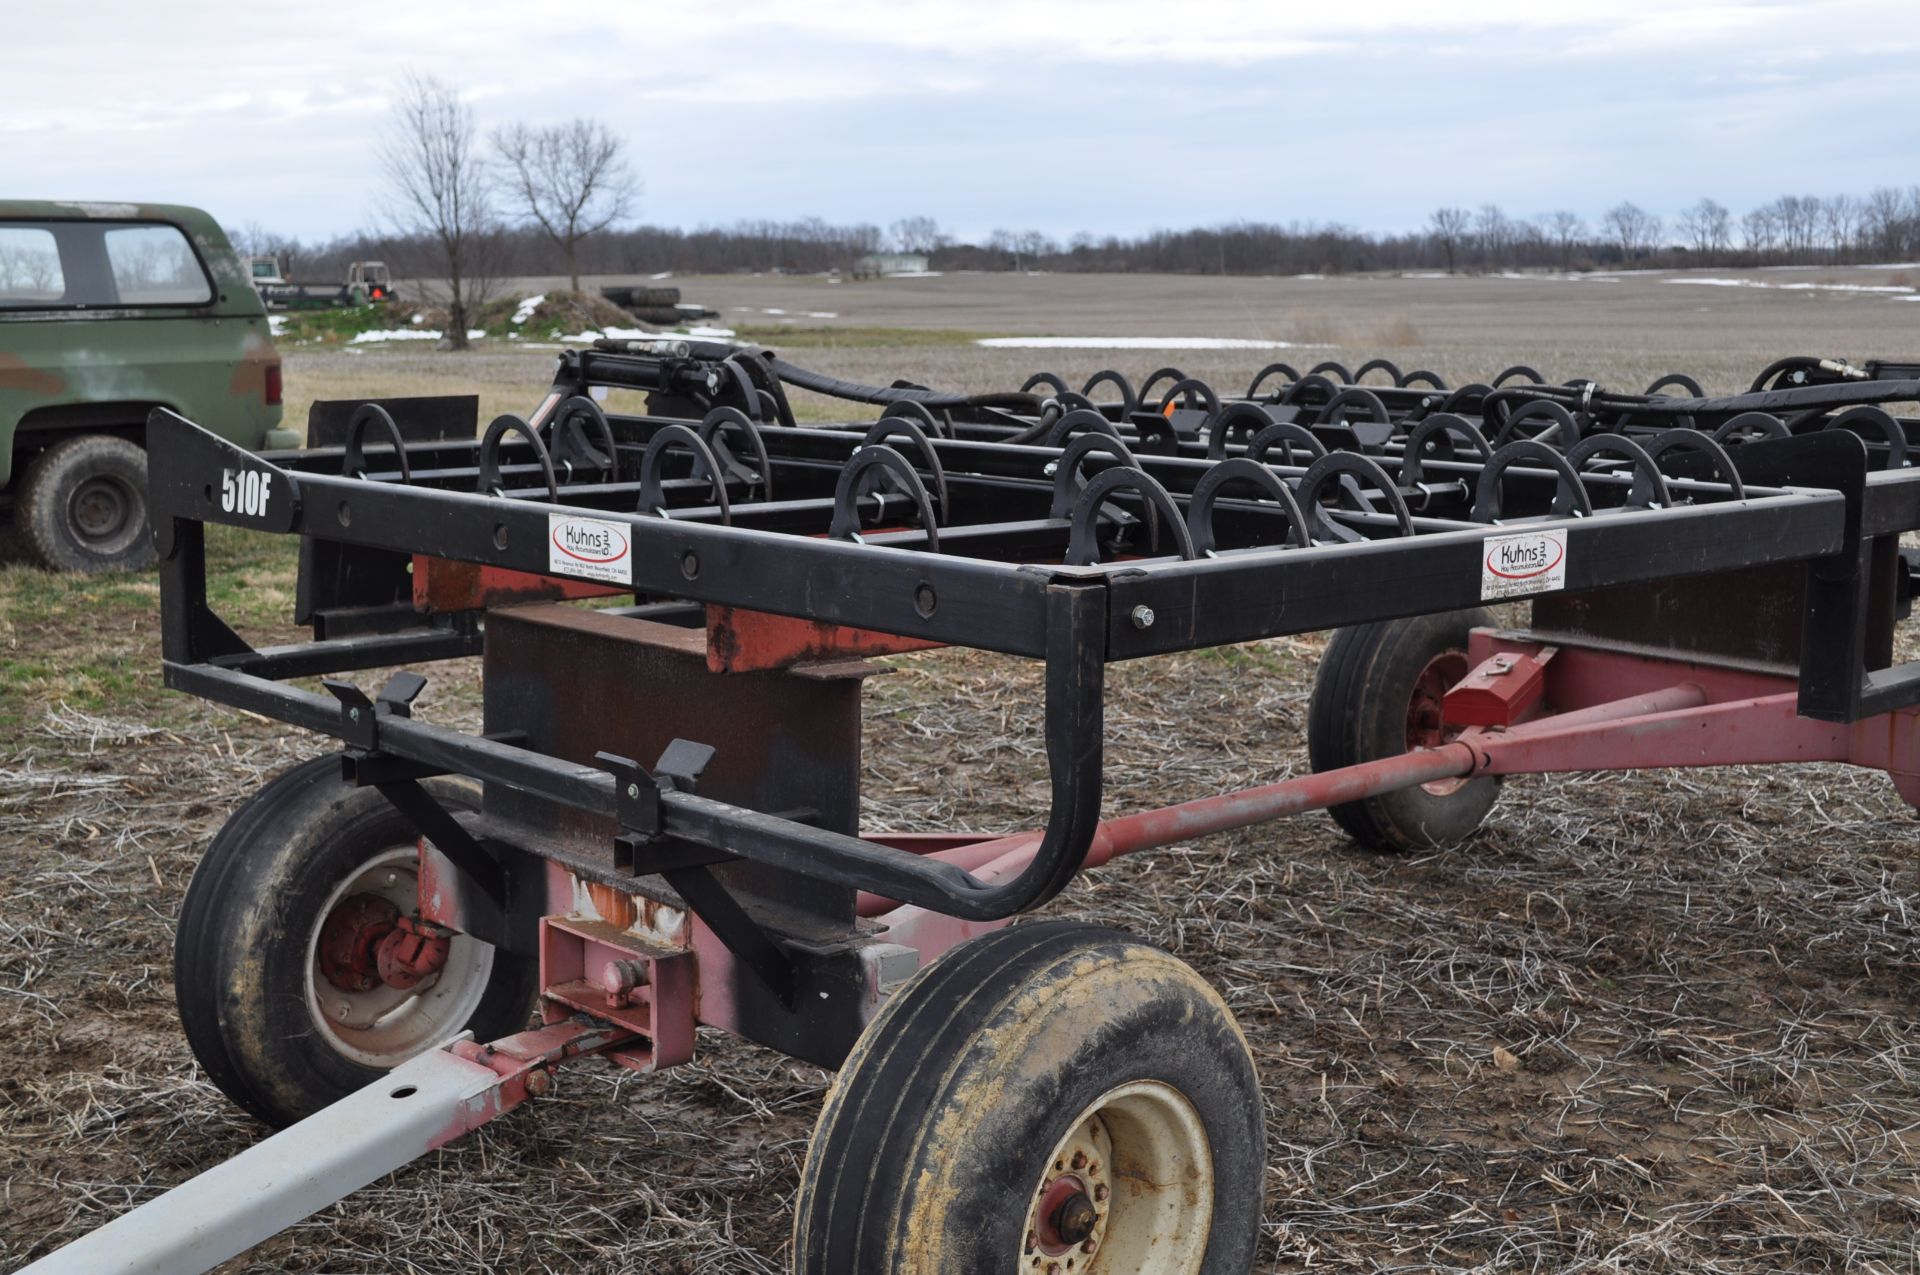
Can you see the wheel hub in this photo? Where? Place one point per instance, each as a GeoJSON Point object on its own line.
{"type": "Point", "coordinates": [1129, 1189]}
{"type": "Point", "coordinates": [1068, 1219]}
{"type": "Point", "coordinates": [1426, 711]}
{"type": "Point", "coordinates": [381, 984]}
{"type": "Point", "coordinates": [351, 939]}
{"type": "Point", "coordinates": [99, 509]}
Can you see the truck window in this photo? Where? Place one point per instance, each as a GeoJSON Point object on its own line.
{"type": "Point", "coordinates": [30, 266]}
{"type": "Point", "coordinates": [154, 265]}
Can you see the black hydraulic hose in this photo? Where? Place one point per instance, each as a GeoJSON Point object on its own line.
{"type": "Point", "coordinates": [834, 387]}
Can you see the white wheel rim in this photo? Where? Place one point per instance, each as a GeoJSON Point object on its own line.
{"type": "Point", "coordinates": [1140, 1155]}
{"type": "Point", "coordinates": [384, 1026]}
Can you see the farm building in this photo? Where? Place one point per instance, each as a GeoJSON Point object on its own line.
{"type": "Point", "coordinates": [878, 264]}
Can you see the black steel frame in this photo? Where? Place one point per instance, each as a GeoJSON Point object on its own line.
{"type": "Point", "coordinates": [1807, 499]}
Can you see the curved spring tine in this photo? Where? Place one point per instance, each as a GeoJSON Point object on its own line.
{"type": "Point", "coordinates": [489, 479]}
{"type": "Point", "coordinates": [854, 483]}
{"type": "Point", "coordinates": [1442, 428]}
{"type": "Point", "coordinates": [1067, 484]}
{"type": "Point", "coordinates": [896, 427]}
{"type": "Point", "coordinates": [653, 498]}
{"type": "Point", "coordinates": [1129, 401]}
{"type": "Point", "coordinates": [1253, 387]}
{"type": "Point", "coordinates": [353, 462]}
{"type": "Point", "coordinates": [1083, 541]}
{"type": "Point", "coordinates": [1248, 473]}
{"type": "Point", "coordinates": [1692, 440]}
{"type": "Point", "coordinates": [1649, 490]}
{"type": "Point", "coordinates": [1569, 497]}
{"type": "Point", "coordinates": [712, 427]}
{"type": "Point", "coordinates": [566, 418]}
{"type": "Point", "coordinates": [1342, 466]}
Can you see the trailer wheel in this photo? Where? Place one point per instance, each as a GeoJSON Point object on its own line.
{"type": "Point", "coordinates": [275, 969]}
{"type": "Point", "coordinates": [1378, 695]}
{"type": "Point", "coordinates": [83, 505]}
{"type": "Point", "coordinates": [1052, 1099]}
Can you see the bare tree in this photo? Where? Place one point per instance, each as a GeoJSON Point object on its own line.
{"type": "Point", "coordinates": [1023, 244]}
{"type": "Point", "coordinates": [1707, 227]}
{"type": "Point", "coordinates": [1843, 215]}
{"type": "Point", "coordinates": [571, 180]}
{"type": "Point", "coordinates": [1495, 233]}
{"type": "Point", "coordinates": [916, 234]}
{"type": "Point", "coordinates": [437, 193]}
{"type": "Point", "coordinates": [1449, 227]}
{"type": "Point", "coordinates": [1564, 229]}
{"type": "Point", "coordinates": [1632, 227]}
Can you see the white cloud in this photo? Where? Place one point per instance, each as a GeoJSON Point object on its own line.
{"type": "Point", "coordinates": [875, 108]}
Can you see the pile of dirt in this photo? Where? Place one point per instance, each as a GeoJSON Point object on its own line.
{"type": "Point", "coordinates": [565, 313]}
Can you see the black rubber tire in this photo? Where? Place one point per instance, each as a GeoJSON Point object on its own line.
{"type": "Point", "coordinates": [940, 1124]}
{"type": "Point", "coordinates": [1359, 713]}
{"type": "Point", "coordinates": [240, 943]}
{"type": "Point", "coordinates": [115, 470]}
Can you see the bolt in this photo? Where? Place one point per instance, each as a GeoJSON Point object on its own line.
{"type": "Point", "coordinates": [633, 791]}
{"type": "Point", "coordinates": [1100, 1193]}
{"type": "Point", "coordinates": [1143, 617]}
{"type": "Point", "coordinates": [1051, 468]}
{"type": "Point", "coordinates": [1079, 1159]}
{"type": "Point", "coordinates": [1089, 1246]}
{"type": "Point", "coordinates": [622, 976]}
{"type": "Point", "coordinates": [539, 1082]}
{"type": "Point", "coordinates": [1075, 1217]}
{"type": "Point", "coordinates": [393, 878]}
{"type": "Point", "coordinates": [353, 714]}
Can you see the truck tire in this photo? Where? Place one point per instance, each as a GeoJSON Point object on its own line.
{"type": "Point", "coordinates": [1054, 1098]}
{"type": "Point", "coordinates": [1377, 695]}
{"type": "Point", "coordinates": [83, 506]}
{"type": "Point", "coordinates": [304, 864]}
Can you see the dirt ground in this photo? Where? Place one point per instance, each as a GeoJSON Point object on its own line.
{"type": "Point", "coordinates": [1660, 1022]}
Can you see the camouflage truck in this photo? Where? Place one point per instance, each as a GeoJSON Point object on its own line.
{"type": "Point", "coordinates": [108, 311]}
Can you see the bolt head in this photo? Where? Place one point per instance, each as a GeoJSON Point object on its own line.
{"type": "Point", "coordinates": [1143, 617]}
{"type": "Point", "coordinates": [633, 790]}
{"type": "Point", "coordinates": [1051, 468]}
{"type": "Point", "coordinates": [539, 1082]}
{"type": "Point", "coordinates": [353, 714]}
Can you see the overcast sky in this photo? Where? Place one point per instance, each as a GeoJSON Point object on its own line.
{"type": "Point", "coordinates": [1054, 114]}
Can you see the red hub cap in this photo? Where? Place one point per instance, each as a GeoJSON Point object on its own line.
{"type": "Point", "coordinates": [1426, 719]}
{"type": "Point", "coordinates": [413, 951]}
{"type": "Point", "coordinates": [350, 941]}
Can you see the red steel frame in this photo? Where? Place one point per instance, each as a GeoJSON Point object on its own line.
{"type": "Point", "coordinates": [627, 977]}
{"type": "Point", "coordinates": [1526, 706]}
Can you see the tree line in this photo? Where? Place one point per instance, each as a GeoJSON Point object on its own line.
{"type": "Point", "coordinates": [463, 211]}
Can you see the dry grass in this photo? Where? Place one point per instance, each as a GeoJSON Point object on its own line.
{"type": "Point", "coordinates": [1659, 1022]}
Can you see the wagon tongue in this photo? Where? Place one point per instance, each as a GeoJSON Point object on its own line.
{"type": "Point", "coordinates": [417, 1107]}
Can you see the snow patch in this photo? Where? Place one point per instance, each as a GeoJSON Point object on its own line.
{"type": "Point", "coordinates": [1133, 343]}
{"type": "Point", "coordinates": [524, 311]}
{"type": "Point", "coordinates": [376, 335]}
{"type": "Point", "coordinates": [380, 336]}
{"type": "Point", "coordinates": [1902, 290]}
{"type": "Point", "coordinates": [277, 324]}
